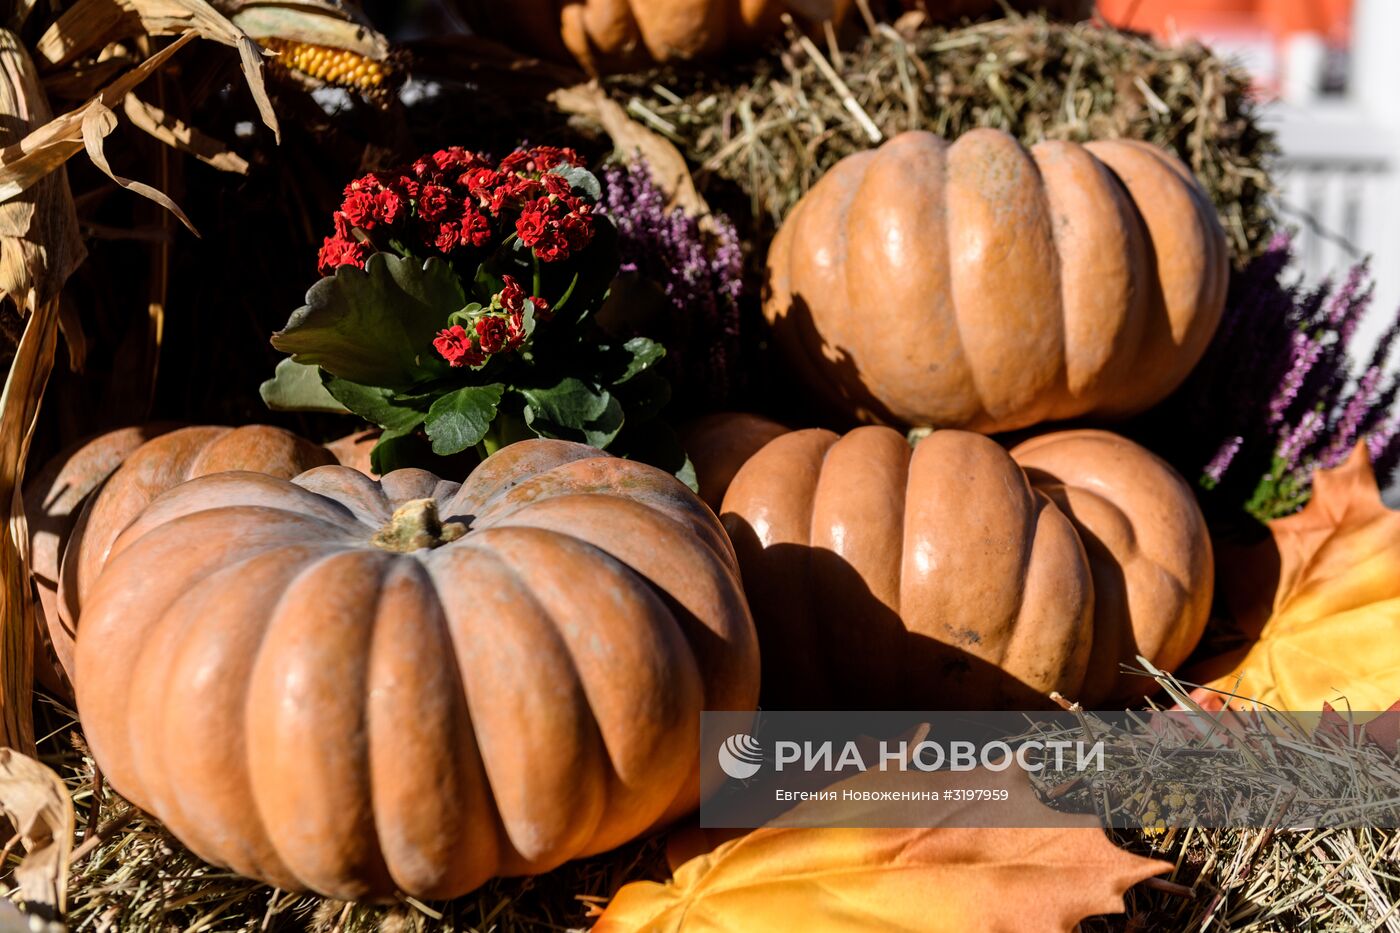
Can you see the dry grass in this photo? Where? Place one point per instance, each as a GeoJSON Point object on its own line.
{"type": "Point", "coordinates": [773, 126]}
{"type": "Point", "coordinates": [132, 875]}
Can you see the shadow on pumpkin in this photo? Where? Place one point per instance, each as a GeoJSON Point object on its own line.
{"type": "Point", "coordinates": [826, 373]}
{"type": "Point", "coordinates": [827, 642]}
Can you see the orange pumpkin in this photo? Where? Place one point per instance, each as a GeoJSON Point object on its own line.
{"type": "Point", "coordinates": [84, 497]}
{"type": "Point", "coordinates": [719, 444]}
{"type": "Point", "coordinates": [622, 35]}
{"type": "Point", "coordinates": [958, 575]}
{"type": "Point", "coordinates": [356, 686]}
{"type": "Point", "coordinates": [980, 285]}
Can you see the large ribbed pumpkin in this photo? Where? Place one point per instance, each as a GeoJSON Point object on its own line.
{"type": "Point", "coordinates": [623, 35]}
{"type": "Point", "coordinates": [956, 575]}
{"type": "Point", "coordinates": [356, 686]}
{"type": "Point", "coordinates": [981, 285]}
{"type": "Point", "coordinates": [82, 499]}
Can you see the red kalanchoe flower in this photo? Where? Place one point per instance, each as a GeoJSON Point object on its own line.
{"type": "Point", "coordinates": [388, 207]}
{"type": "Point", "coordinates": [552, 247]}
{"type": "Point", "coordinates": [543, 311]}
{"type": "Point", "coordinates": [517, 161]}
{"type": "Point", "coordinates": [476, 228]}
{"type": "Point", "coordinates": [423, 168]}
{"type": "Point", "coordinates": [358, 208]}
{"type": "Point", "coordinates": [480, 181]}
{"type": "Point", "coordinates": [512, 295]}
{"type": "Point", "coordinates": [444, 236]}
{"type": "Point", "coordinates": [515, 330]}
{"type": "Point", "coordinates": [534, 223]}
{"type": "Point", "coordinates": [339, 251]}
{"type": "Point", "coordinates": [455, 346]}
{"type": "Point", "coordinates": [525, 189]}
{"type": "Point", "coordinates": [455, 158]}
{"type": "Point", "coordinates": [559, 186]}
{"type": "Point", "coordinates": [493, 333]}
{"type": "Point", "coordinates": [408, 186]}
{"type": "Point", "coordinates": [433, 202]}
{"type": "Point", "coordinates": [546, 157]}
{"type": "Point", "coordinates": [370, 183]}
{"type": "Point", "coordinates": [577, 229]}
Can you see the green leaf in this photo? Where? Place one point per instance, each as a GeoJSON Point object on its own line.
{"type": "Point", "coordinates": [298, 387]}
{"type": "Point", "coordinates": [581, 180]}
{"type": "Point", "coordinates": [645, 353]}
{"type": "Point", "coordinates": [376, 326]}
{"type": "Point", "coordinates": [460, 419]}
{"type": "Point", "coordinates": [392, 452]}
{"type": "Point", "coordinates": [574, 410]}
{"type": "Point", "coordinates": [399, 414]}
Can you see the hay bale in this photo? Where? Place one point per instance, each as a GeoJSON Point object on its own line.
{"type": "Point", "coordinates": [773, 126]}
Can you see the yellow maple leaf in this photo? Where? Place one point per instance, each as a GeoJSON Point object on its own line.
{"type": "Point", "coordinates": [931, 879]}
{"type": "Point", "coordinates": [1332, 632]}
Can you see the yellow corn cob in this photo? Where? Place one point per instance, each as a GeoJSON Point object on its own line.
{"type": "Point", "coordinates": [340, 67]}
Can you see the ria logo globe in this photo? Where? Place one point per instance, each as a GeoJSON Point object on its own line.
{"type": "Point", "coordinates": [740, 756]}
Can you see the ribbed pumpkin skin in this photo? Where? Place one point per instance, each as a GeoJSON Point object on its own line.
{"type": "Point", "coordinates": [984, 286]}
{"type": "Point", "coordinates": [307, 708]}
{"type": "Point", "coordinates": [621, 35]}
{"type": "Point", "coordinates": [1148, 548]}
{"type": "Point", "coordinates": [86, 495]}
{"type": "Point", "coordinates": [946, 577]}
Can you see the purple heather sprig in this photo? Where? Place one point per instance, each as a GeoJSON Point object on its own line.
{"type": "Point", "coordinates": [1280, 393]}
{"type": "Point", "coordinates": [698, 267]}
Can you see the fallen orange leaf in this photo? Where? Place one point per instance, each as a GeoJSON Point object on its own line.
{"type": "Point", "coordinates": [841, 880]}
{"type": "Point", "coordinates": [1333, 631]}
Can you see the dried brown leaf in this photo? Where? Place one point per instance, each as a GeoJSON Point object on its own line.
{"type": "Point", "coordinates": [178, 134]}
{"type": "Point", "coordinates": [664, 161]}
{"type": "Point", "coordinates": [98, 123]}
{"type": "Point", "coordinates": [24, 163]}
{"type": "Point", "coordinates": [91, 24]}
{"type": "Point", "coordinates": [37, 804]}
{"type": "Point", "coordinates": [170, 17]}
{"type": "Point", "coordinates": [39, 241]}
{"type": "Point", "coordinates": [84, 28]}
{"type": "Point", "coordinates": [313, 22]}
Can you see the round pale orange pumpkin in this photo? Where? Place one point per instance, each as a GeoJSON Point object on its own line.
{"type": "Point", "coordinates": [981, 285]}
{"type": "Point", "coordinates": [84, 497]}
{"type": "Point", "coordinates": [718, 444]}
{"type": "Point", "coordinates": [356, 686]}
{"type": "Point", "coordinates": [623, 35]}
{"type": "Point", "coordinates": [956, 575]}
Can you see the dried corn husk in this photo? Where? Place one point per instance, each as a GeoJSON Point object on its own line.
{"type": "Point", "coordinates": [39, 248]}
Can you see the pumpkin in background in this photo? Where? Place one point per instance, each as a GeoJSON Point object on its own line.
{"type": "Point", "coordinates": [356, 686]}
{"type": "Point", "coordinates": [84, 497]}
{"type": "Point", "coordinates": [606, 36]}
{"type": "Point", "coordinates": [980, 285]}
{"type": "Point", "coordinates": [53, 499]}
{"type": "Point", "coordinates": [719, 444]}
{"type": "Point", "coordinates": [947, 576]}
{"type": "Point", "coordinates": [1149, 551]}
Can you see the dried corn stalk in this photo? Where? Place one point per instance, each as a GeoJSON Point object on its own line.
{"type": "Point", "coordinates": [39, 248]}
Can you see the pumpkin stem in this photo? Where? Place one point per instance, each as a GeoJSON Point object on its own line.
{"type": "Point", "coordinates": [416, 525]}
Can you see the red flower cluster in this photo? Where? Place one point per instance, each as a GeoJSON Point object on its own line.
{"type": "Point", "coordinates": [499, 328]}
{"type": "Point", "coordinates": [455, 199]}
